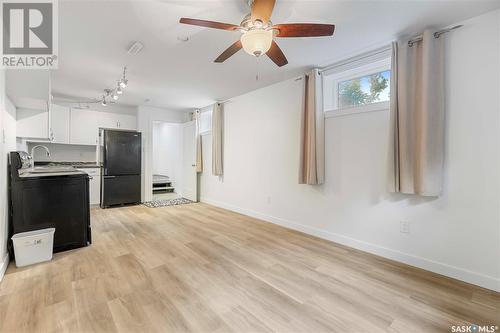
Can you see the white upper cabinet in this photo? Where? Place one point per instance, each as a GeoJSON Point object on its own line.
{"type": "Point", "coordinates": [85, 124]}
{"type": "Point", "coordinates": [126, 121]}
{"type": "Point", "coordinates": [29, 91]}
{"type": "Point", "coordinates": [118, 121]}
{"type": "Point", "coordinates": [84, 129]}
{"type": "Point", "coordinates": [107, 120]}
{"type": "Point", "coordinates": [59, 124]}
{"type": "Point", "coordinates": [32, 123]}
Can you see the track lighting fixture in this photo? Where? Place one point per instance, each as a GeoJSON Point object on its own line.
{"type": "Point", "coordinates": [113, 95]}
{"type": "Point", "coordinates": [123, 81]}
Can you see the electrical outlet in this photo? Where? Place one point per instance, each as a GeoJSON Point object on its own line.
{"type": "Point", "coordinates": [404, 227]}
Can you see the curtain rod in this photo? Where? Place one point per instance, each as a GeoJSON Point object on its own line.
{"type": "Point", "coordinates": [386, 48]}
{"type": "Point", "coordinates": [209, 105]}
{"type": "Point", "coordinates": [382, 49]}
{"type": "Point", "coordinates": [419, 38]}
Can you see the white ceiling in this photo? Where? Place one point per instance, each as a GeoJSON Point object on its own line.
{"type": "Point", "coordinates": [94, 36]}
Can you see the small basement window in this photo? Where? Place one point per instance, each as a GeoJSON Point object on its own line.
{"type": "Point", "coordinates": [357, 88]}
{"type": "Point", "coordinates": [368, 89]}
{"type": "Point", "coordinates": [206, 121]}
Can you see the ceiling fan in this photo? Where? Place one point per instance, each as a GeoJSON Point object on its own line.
{"type": "Point", "coordinates": [258, 32]}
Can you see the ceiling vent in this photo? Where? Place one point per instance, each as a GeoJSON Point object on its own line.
{"type": "Point", "coordinates": [135, 48]}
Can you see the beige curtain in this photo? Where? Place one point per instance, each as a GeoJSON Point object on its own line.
{"type": "Point", "coordinates": [312, 133]}
{"type": "Point", "coordinates": [199, 156]}
{"type": "Point", "coordinates": [417, 117]}
{"type": "Point", "coordinates": [217, 139]}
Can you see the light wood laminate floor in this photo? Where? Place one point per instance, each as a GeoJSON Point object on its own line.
{"type": "Point", "coordinates": [203, 269]}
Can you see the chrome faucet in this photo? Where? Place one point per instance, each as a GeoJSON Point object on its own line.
{"type": "Point", "coordinates": [33, 154]}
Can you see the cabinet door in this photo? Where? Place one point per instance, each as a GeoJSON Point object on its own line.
{"type": "Point", "coordinates": [94, 184]}
{"type": "Point", "coordinates": [118, 121]}
{"type": "Point", "coordinates": [108, 120]}
{"type": "Point", "coordinates": [32, 123]}
{"type": "Point", "coordinates": [95, 188]}
{"type": "Point", "coordinates": [84, 127]}
{"type": "Point", "coordinates": [126, 121]}
{"type": "Point", "coordinates": [59, 121]}
{"type": "Point", "coordinates": [30, 90]}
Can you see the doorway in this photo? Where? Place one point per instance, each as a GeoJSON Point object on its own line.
{"type": "Point", "coordinates": [173, 157]}
{"type": "Point", "coordinates": [167, 148]}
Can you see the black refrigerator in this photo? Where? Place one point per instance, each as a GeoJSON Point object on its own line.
{"type": "Point", "coordinates": [120, 153]}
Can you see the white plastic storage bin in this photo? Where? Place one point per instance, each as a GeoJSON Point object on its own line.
{"type": "Point", "coordinates": [33, 246]}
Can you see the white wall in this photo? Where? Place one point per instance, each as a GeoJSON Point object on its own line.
{"type": "Point", "coordinates": [457, 234]}
{"type": "Point", "coordinates": [63, 152]}
{"type": "Point", "coordinates": [167, 152]}
{"type": "Point", "coordinates": [7, 144]}
{"type": "Point", "coordinates": [145, 117]}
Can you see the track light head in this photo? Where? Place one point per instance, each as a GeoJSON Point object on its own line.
{"type": "Point", "coordinates": [112, 95]}
{"type": "Point", "coordinates": [123, 83]}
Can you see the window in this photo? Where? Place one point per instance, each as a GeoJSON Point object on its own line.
{"type": "Point", "coordinates": [206, 121]}
{"type": "Point", "coordinates": [368, 89]}
{"type": "Point", "coordinates": [357, 88]}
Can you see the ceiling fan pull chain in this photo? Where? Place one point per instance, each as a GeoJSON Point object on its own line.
{"type": "Point", "coordinates": [257, 70]}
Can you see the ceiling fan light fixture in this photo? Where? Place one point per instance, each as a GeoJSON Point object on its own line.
{"type": "Point", "coordinates": [104, 103]}
{"type": "Point", "coordinates": [257, 41]}
{"type": "Point", "coordinates": [258, 32]}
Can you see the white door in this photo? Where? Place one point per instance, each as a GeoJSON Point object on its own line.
{"type": "Point", "coordinates": [189, 177]}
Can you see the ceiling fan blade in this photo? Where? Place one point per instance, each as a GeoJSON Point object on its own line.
{"type": "Point", "coordinates": [262, 10]}
{"type": "Point", "coordinates": [209, 24]}
{"type": "Point", "coordinates": [229, 51]}
{"type": "Point", "coordinates": [304, 30]}
{"type": "Point", "coordinates": [277, 55]}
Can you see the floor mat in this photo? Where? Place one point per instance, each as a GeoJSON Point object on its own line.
{"type": "Point", "coordinates": [169, 202]}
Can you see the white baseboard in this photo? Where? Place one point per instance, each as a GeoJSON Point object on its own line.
{"type": "Point", "coordinates": [478, 279]}
{"type": "Point", "coordinates": [3, 265]}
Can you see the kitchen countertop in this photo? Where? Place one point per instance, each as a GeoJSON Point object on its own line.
{"type": "Point", "coordinates": [79, 165]}
{"type": "Point", "coordinates": [25, 173]}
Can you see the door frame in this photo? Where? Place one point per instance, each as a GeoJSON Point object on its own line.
{"type": "Point", "coordinates": [197, 179]}
{"type": "Point", "coordinates": [148, 157]}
